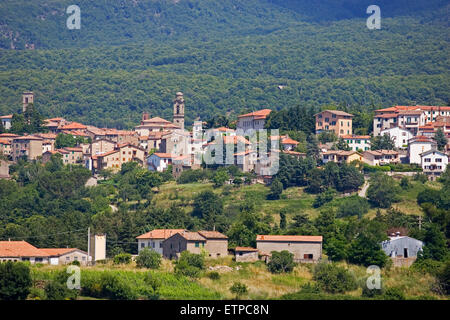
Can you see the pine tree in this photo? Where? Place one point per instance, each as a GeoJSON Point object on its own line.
{"type": "Point", "coordinates": [441, 139]}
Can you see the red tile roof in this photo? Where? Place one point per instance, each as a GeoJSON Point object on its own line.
{"type": "Point", "coordinates": [163, 155]}
{"type": "Point", "coordinates": [260, 114]}
{"type": "Point", "coordinates": [192, 236]}
{"type": "Point", "coordinates": [20, 249]}
{"type": "Point", "coordinates": [278, 238]}
{"type": "Point", "coordinates": [289, 141]}
{"type": "Point", "coordinates": [59, 251]}
{"type": "Point", "coordinates": [159, 234]}
{"type": "Point", "coordinates": [9, 116]}
{"type": "Point", "coordinates": [212, 235]}
{"type": "Point", "coordinates": [73, 126]}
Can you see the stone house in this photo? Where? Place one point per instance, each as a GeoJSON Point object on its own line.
{"type": "Point", "coordinates": [214, 243]}
{"type": "Point", "coordinates": [26, 146]}
{"type": "Point", "coordinates": [305, 249]}
{"type": "Point", "coordinates": [182, 241]}
{"type": "Point", "coordinates": [154, 239]}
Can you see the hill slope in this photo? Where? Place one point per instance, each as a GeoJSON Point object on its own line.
{"type": "Point", "coordinates": [225, 56]}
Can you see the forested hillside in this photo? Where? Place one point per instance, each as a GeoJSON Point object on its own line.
{"type": "Point", "coordinates": [226, 56]}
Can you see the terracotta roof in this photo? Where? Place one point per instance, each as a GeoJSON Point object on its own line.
{"type": "Point", "coordinates": [387, 115]}
{"type": "Point", "coordinates": [73, 126]}
{"type": "Point", "coordinates": [54, 119]}
{"type": "Point", "coordinates": [59, 251]}
{"type": "Point", "coordinates": [8, 135]}
{"type": "Point", "coordinates": [163, 155]}
{"type": "Point", "coordinates": [159, 234]}
{"type": "Point", "coordinates": [336, 112]}
{"type": "Point", "coordinates": [47, 135]}
{"type": "Point", "coordinates": [212, 235]}
{"type": "Point", "coordinates": [9, 116]}
{"type": "Point", "coordinates": [381, 152]}
{"type": "Point", "coordinates": [5, 141]}
{"type": "Point", "coordinates": [20, 249]}
{"type": "Point", "coordinates": [235, 140]}
{"type": "Point", "coordinates": [28, 138]}
{"type": "Point", "coordinates": [289, 141]}
{"type": "Point", "coordinates": [260, 114]}
{"type": "Point", "coordinates": [420, 139]}
{"type": "Point", "coordinates": [355, 137]}
{"type": "Point", "coordinates": [245, 249]}
{"type": "Point", "coordinates": [105, 154]}
{"type": "Point", "coordinates": [426, 108]}
{"type": "Point", "coordinates": [294, 153]}
{"type": "Point", "coordinates": [223, 129]}
{"type": "Point", "coordinates": [289, 238]}
{"type": "Point", "coordinates": [192, 236]}
{"type": "Point", "coordinates": [156, 120]}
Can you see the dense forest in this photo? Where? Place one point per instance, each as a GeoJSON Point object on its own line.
{"type": "Point", "coordinates": [131, 56]}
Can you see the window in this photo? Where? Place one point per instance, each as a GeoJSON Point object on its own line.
{"type": "Point", "coordinates": [75, 258]}
{"type": "Point", "coordinates": [83, 258]}
{"type": "Point", "coordinates": [197, 244]}
{"type": "Point", "coordinates": [143, 245]}
{"type": "Point", "coordinates": [307, 256]}
{"type": "Point", "coordinates": [438, 160]}
{"type": "Point", "coordinates": [427, 159]}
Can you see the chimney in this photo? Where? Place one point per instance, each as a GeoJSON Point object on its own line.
{"type": "Point", "coordinates": [397, 233]}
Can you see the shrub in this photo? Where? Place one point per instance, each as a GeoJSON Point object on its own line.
{"type": "Point", "coordinates": [148, 259]}
{"type": "Point", "coordinates": [115, 288]}
{"type": "Point", "coordinates": [324, 197]}
{"type": "Point", "coordinates": [371, 293]}
{"type": "Point", "coordinates": [420, 177]}
{"type": "Point", "coordinates": [55, 290]}
{"type": "Point", "coordinates": [190, 264]}
{"type": "Point", "coordinates": [122, 258]}
{"type": "Point", "coordinates": [36, 294]}
{"type": "Point", "coordinates": [405, 184]}
{"type": "Point", "coordinates": [444, 278]}
{"type": "Point", "coordinates": [281, 262]}
{"type": "Point", "coordinates": [214, 275]}
{"type": "Point", "coordinates": [15, 280]}
{"type": "Point", "coordinates": [239, 289]}
{"type": "Point", "coordinates": [393, 294]}
{"type": "Point", "coordinates": [353, 206]}
{"type": "Point", "coordinates": [76, 263]}
{"type": "Point", "coordinates": [334, 279]}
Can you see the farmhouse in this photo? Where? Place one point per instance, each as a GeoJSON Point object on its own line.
{"type": "Point", "coordinates": [213, 242]}
{"type": "Point", "coordinates": [154, 239]}
{"type": "Point", "coordinates": [304, 248]}
{"type": "Point", "coordinates": [66, 255]}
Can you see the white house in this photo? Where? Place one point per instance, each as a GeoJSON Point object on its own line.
{"type": "Point", "coordinates": [357, 142]}
{"type": "Point", "coordinates": [289, 144]}
{"type": "Point", "coordinates": [418, 145]}
{"type": "Point", "coordinates": [6, 121]}
{"type": "Point", "coordinates": [155, 238]}
{"type": "Point", "coordinates": [399, 136]}
{"type": "Point", "coordinates": [433, 163]}
{"type": "Point", "coordinates": [159, 161]}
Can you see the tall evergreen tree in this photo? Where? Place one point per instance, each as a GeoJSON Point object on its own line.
{"type": "Point", "coordinates": [441, 139]}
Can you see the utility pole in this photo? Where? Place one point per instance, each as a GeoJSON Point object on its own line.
{"type": "Point", "coordinates": [420, 222]}
{"type": "Point", "coordinates": [89, 244]}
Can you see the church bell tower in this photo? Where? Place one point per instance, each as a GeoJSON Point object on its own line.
{"type": "Point", "coordinates": [178, 110]}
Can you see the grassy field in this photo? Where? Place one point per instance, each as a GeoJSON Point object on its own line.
{"type": "Point", "coordinates": [260, 282]}
{"type": "Point", "coordinates": [294, 199]}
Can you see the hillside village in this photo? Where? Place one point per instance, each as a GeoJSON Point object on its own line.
{"type": "Point", "coordinates": [159, 144]}
{"type": "Point", "coordinates": [407, 135]}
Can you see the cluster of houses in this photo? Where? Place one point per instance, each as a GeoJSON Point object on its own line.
{"type": "Point", "coordinates": [159, 144]}
{"type": "Point", "coordinates": [170, 243]}
{"type": "Point", "coordinates": [411, 128]}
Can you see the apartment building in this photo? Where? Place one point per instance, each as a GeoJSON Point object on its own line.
{"type": "Point", "coordinates": [339, 122]}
